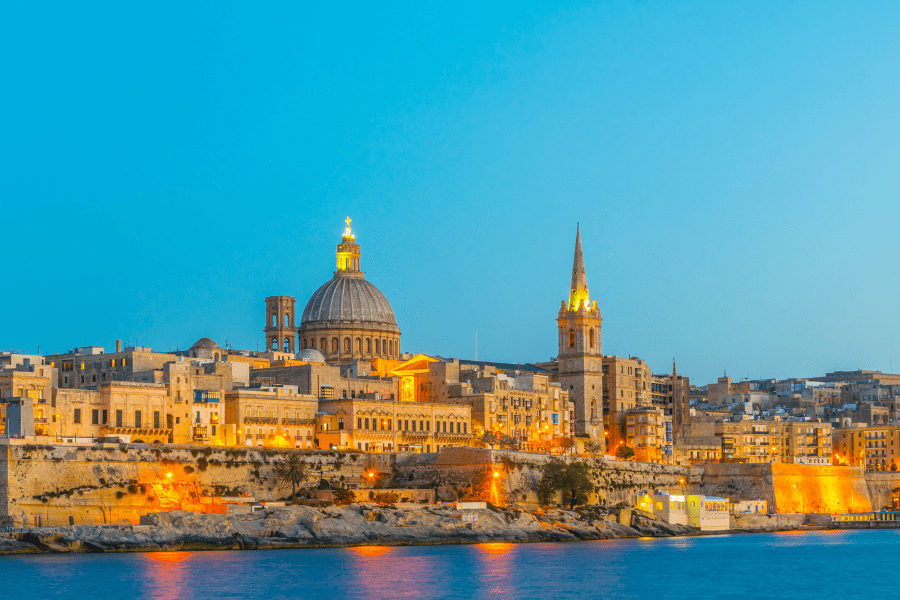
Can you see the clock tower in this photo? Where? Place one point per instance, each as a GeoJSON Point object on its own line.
{"type": "Point", "coordinates": [580, 360]}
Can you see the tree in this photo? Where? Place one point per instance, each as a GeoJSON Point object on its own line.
{"type": "Point", "coordinates": [564, 444]}
{"type": "Point", "coordinates": [385, 498]}
{"type": "Point", "coordinates": [624, 452]}
{"type": "Point", "coordinates": [490, 438]}
{"type": "Point", "coordinates": [593, 448]}
{"type": "Point", "coordinates": [572, 479]}
{"type": "Point", "coordinates": [509, 443]}
{"type": "Point", "coordinates": [576, 484]}
{"type": "Point", "coordinates": [292, 469]}
{"type": "Point", "coordinates": [344, 496]}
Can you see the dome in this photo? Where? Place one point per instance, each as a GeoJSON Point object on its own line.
{"type": "Point", "coordinates": [206, 344]}
{"type": "Point", "coordinates": [312, 355]}
{"type": "Point", "coordinates": [347, 298]}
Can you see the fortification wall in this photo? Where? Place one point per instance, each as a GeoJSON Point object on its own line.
{"type": "Point", "coordinates": [790, 488]}
{"type": "Point", "coordinates": [468, 473]}
{"type": "Point", "coordinates": [880, 484]}
{"type": "Point", "coordinates": [56, 485]}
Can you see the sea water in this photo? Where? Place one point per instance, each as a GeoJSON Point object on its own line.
{"type": "Point", "coordinates": [800, 565]}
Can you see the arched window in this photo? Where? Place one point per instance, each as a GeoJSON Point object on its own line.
{"type": "Point", "coordinates": [274, 320]}
{"type": "Point", "coordinates": [346, 344]}
{"type": "Point", "coordinates": [592, 337]}
{"type": "Point", "coordinates": [593, 408]}
{"type": "Point", "coordinates": [334, 344]}
{"type": "Point", "coordinates": [368, 346]}
{"type": "Point", "coordinates": [287, 320]}
{"type": "Point", "coordinates": [358, 346]}
{"type": "Point", "coordinates": [275, 344]}
{"type": "Point", "coordinates": [377, 346]}
{"type": "Point", "coordinates": [287, 344]}
{"type": "Point", "coordinates": [216, 356]}
{"type": "Point", "coordinates": [571, 338]}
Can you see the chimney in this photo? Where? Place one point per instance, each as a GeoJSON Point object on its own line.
{"type": "Point", "coordinates": [118, 345]}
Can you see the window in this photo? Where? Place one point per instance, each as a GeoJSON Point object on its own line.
{"type": "Point", "coordinates": [124, 362]}
{"type": "Point", "coordinates": [377, 347]}
{"type": "Point", "coordinates": [414, 425]}
{"type": "Point", "coordinates": [340, 422]}
{"type": "Point", "coordinates": [119, 417]}
{"type": "Point", "coordinates": [156, 419]}
{"type": "Point", "coordinates": [358, 346]}
{"type": "Point", "coordinates": [592, 337]}
{"type": "Point", "coordinates": [368, 346]}
{"type": "Point", "coordinates": [571, 338]}
{"type": "Point", "coordinates": [104, 416]}
{"type": "Point", "coordinates": [367, 423]}
{"type": "Point", "coordinates": [359, 422]}
{"type": "Point", "coordinates": [137, 419]}
{"type": "Point", "coordinates": [77, 418]}
{"type": "Point", "coordinates": [346, 344]}
{"type": "Point", "coordinates": [95, 417]}
{"type": "Point", "coordinates": [334, 344]}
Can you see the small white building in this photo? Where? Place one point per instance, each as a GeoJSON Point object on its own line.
{"type": "Point", "coordinates": [749, 507]}
{"type": "Point", "coordinates": [706, 513]}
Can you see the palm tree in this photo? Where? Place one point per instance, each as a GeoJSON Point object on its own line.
{"type": "Point", "coordinates": [292, 469]}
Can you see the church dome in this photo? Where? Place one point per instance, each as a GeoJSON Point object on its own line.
{"type": "Point", "coordinates": [312, 355]}
{"type": "Point", "coordinates": [206, 344]}
{"type": "Point", "coordinates": [347, 298]}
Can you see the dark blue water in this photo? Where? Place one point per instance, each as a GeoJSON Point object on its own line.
{"type": "Point", "coordinates": [814, 565]}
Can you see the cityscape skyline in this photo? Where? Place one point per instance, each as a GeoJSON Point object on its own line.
{"type": "Point", "coordinates": [732, 169]}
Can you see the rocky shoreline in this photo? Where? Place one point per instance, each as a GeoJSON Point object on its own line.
{"type": "Point", "coordinates": [354, 525]}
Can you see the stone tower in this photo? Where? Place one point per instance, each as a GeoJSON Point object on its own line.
{"type": "Point", "coordinates": [280, 328]}
{"type": "Point", "coordinates": [580, 359]}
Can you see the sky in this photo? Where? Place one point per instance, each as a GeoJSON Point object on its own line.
{"type": "Point", "coordinates": [733, 166]}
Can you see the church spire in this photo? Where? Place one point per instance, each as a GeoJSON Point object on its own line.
{"type": "Point", "coordinates": [578, 294]}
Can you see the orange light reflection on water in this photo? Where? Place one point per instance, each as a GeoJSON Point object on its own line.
{"type": "Point", "coordinates": [371, 550]}
{"type": "Point", "coordinates": [167, 574]}
{"type": "Point", "coordinates": [495, 548]}
{"type": "Point", "coordinates": [168, 557]}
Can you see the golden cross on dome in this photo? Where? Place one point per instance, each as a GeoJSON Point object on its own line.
{"type": "Point", "coordinates": [348, 222]}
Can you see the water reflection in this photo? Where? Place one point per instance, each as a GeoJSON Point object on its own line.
{"type": "Point", "coordinates": [495, 547]}
{"type": "Point", "coordinates": [165, 574]}
{"type": "Point", "coordinates": [371, 551]}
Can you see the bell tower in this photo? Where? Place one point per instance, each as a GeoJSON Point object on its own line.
{"type": "Point", "coordinates": [280, 330]}
{"type": "Point", "coordinates": [580, 359]}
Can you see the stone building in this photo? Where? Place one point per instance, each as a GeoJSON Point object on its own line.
{"type": "Point", "coordinates": [518, 401]}
{"type": "Point", "coordinates": [347, 317]}
{"type": "Point", "coordinates": [277, 416]}
{"type": "Point", "coordinates": [390, 425]}
{"type": "Point", "coordinates": [139, 412]}
{"type": "Point", "coordinates": [626, 385]}
{"type": "Point", "coordinates": [27, 378]}
{"type": "Point", "coordinates": [876, 448]}
{"type": "Point", "coordinates": [765, 441]}
{"type": "Point", "coordinates": [648, 431]}
{"type": "Point", "coordinates": [580, 358]}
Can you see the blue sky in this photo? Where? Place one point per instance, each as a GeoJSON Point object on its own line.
{"type": "Point", "coordinates": [734, 168]}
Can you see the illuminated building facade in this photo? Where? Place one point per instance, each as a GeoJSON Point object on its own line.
{"type": "Point", "coordinates": [522, 404]}
{"type": "Point", "coordinates": [580, 359]}
{"type": "Point", "coordinates": [648, 432]}
{"type": "Point", "coordinates": [277, 416]}
{"type": "Point", "coordinates": [876, 448]}
{"type": "Point", "coordinates": [347, 317]}
{"type": "Point", "coordinates": [374, 425]}
{"type": "Point", "coordinates": [757, 441]}
{"type": "Point", "coordinates": [626, 385]}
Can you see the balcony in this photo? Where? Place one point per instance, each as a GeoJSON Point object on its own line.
{"type": "Point", "coordinates": [270, 420]}
{"type": "Point", "coordinates": [298, 421]}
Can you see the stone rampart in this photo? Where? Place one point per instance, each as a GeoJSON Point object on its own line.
{"type": "Point", "coordinates": [63, 484]}
{"type": "Point", "coordinates": [881, 484]}
{"type": "Point", "coordinates": [790, 488]}
{"type": "Point", "coordinates": [506, 477]}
